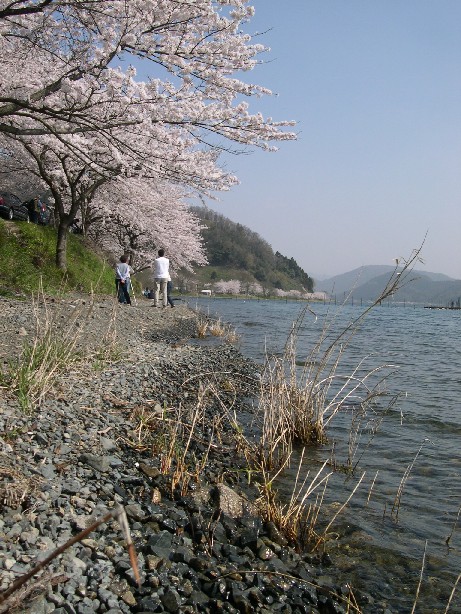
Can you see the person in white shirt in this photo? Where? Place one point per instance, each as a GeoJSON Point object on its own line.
{"type": "Point", "coordinates": [122, 280]}
{"type": "Point", "coordinates": [161, 276]}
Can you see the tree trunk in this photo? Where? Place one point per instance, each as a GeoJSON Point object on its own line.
{"type": "Point", "coordinates": [61, 246]}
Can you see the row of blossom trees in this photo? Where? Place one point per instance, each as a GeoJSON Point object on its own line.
{"type": "Point", "coordinates": [236, 287]}
{"type": "Point", "coordinates": [121, 153]}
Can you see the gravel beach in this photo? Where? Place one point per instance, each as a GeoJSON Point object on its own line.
{"type": "Point", "coordinates": [98, 440]}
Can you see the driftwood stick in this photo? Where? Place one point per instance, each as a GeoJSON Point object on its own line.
{"type": "Point", "coordinates": [118, 513]}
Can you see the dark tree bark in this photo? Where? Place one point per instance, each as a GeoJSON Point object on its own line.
{"type": "Point", "coordinates": [61, 245]}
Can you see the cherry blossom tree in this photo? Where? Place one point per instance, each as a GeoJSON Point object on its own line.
{"type": "Point", "coordinates": [227, 287]}
{"type": "Point", "coordinates": [77, 185]}
{"type": "Point", "coordinates": [135, 215]}
{"type": "Point", "coordinates": [160, 218]}
{"type": "Point", "coordinates": [256, 288]}
{"type": "Point", "coordinates": [59, 65]}
{"type": "Point", "coordinates": [72, 109]}
{"type": "Point", "coordinates": [288, 293]}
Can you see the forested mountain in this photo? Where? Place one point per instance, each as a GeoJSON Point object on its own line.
{"type": "Point", "coordinates": [236, 252]}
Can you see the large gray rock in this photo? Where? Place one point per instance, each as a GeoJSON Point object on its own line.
{"type": "Point", "coordinates": [231, 503]}
{"type": "Point", "coordinates": [100, 463]}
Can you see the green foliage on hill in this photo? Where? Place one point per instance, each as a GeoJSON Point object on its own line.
{"type": "Point", "coordinates": [236, 252]}
{"type": "Point", "coordinates": [27, 254]}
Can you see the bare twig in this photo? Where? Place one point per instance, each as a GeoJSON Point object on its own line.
{"type": "Point", "coordinates": [117, 513]}
{"type": "Point", "coordinates": [447, 541]}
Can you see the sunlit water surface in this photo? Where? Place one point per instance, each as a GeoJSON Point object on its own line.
{"type": "Point", "coordinates": [379, 550]}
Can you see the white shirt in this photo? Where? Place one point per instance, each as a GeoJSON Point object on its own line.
{"type": "Point", "coordinates": [162, 266]}
{"type": "Point", "coordinates": [123, 270]}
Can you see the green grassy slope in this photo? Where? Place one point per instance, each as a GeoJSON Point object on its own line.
{"type": "Point", "coordinates": [27, 257]}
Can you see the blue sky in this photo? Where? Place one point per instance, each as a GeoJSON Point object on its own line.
{"type": "Point", "coordinates": [375, 86]}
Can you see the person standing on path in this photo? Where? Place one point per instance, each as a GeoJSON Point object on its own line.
{"type": "Point", "coordinates": [122, 280]}
{"type": "Point", "coordinates": [33, 208]}
{"type": "Point", "coordinates": [161, 275]}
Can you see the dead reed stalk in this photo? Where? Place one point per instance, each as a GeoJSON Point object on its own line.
{"type": "Point", "coordinates": [452, 594]}
{"type": "Point", "coordinates": [418, 588]}
{"type": "Point", "coordinates": [447, 541]}
{"type": "Point", "coordinates": [343, 506]}
{"type": "Point", "coordinates": [398, 497]}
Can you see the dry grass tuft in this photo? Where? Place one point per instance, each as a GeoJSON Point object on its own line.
{"type": "Point", "coordinates": [15, 487]}
{"type": "Point", "coordinates": [297, 517]}
{"type": "Point", "coordinates": [217, 328]}
{"type": "Point", "coordinates": [231, 335]}
{"type": "Point", "coordinates": [58, 344]}
{"type": "Point", "coordinates": [202, 328]}
{"type": "Point", "coordinates": [169, 432]}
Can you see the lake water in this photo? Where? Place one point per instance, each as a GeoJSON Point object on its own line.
{"type": "Point", "coordinates": [380, 551]}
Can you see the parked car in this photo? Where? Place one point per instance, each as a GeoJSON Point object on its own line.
{"type": "Point", "coordinates": [39, 211]}
{"type": "Point", "coordinates": [12, 208]}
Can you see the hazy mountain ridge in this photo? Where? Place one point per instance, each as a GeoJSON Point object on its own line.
{"type": "Point", "coordinates": [367, 282]}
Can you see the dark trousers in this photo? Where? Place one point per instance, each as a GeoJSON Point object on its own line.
{"type": "Point", "coordinates": [169, 288]}
{"type": "Point", "coordinates": [122, 289]}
